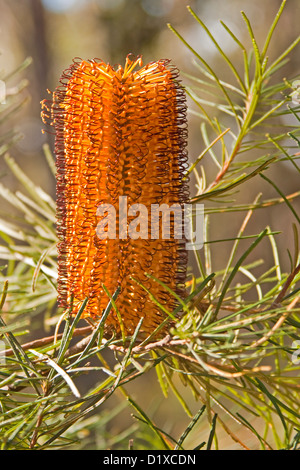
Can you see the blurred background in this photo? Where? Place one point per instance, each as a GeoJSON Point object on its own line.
{"type": "Point", "coordinates": [53, 32]}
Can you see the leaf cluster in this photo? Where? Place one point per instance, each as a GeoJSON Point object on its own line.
{"type": "Point", "coordinates": [231, 358]}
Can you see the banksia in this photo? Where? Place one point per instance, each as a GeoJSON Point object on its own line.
{"type": "Point", "coordinates": [119, 133]}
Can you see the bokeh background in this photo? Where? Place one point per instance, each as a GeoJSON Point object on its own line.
{"type": "Point", "coordinates": [53, 32]}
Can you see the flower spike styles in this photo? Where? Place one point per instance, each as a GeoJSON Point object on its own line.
{"type": "Point", "coordinates": [120, 141]}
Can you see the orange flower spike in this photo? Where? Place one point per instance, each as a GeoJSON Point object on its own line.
{"type": "Point", "coordinates": [118, 133]}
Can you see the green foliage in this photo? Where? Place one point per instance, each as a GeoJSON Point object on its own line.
{"type": "Point", "coordinates": [232, 353]}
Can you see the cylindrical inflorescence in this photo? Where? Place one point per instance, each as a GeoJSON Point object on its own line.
{"type": "Point", "coordinates": [120, 143]}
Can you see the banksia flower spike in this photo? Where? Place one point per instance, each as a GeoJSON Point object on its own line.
{"type": "Point", "coordinates": [120, 141]}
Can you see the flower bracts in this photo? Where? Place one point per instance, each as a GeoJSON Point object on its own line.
{"type": "Point", "coordinates": [120, 139]}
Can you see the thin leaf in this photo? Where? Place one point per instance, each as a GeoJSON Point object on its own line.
{"type": "Point", "coordinates": [283, 197]}
{"type": "Point", "coordinates": [212, 432]}
{"type": "Point", "coordinates": [235, 269]}
{"type": "Point", "coordinates": [225, 57]}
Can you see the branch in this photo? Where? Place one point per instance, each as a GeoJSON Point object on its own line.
{"type": "Point", "coordinates": [47, 340]}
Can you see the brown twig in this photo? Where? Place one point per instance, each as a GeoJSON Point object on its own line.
{"type": "Point", "coordinates": [37, 343]}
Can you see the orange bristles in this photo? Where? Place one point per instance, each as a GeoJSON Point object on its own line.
{"type": "Point", "coordinates": [119, 133]}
